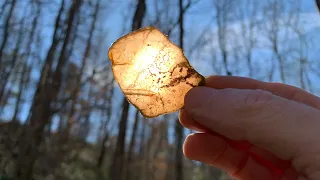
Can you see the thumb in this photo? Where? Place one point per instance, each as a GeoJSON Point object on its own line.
{"type": "Point", "coordinates": [285, 128]}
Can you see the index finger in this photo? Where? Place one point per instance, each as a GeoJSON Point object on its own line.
{"type": "Point", "coordinates": [279, 89]}
{"type": "Point", "coordinates": [282, 90]}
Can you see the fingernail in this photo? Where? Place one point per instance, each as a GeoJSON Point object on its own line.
{"type": "Point", "coordinates": [197, 99]}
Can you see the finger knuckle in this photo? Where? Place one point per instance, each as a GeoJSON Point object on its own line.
{"type": "Point", "coordinates": [258, 97]}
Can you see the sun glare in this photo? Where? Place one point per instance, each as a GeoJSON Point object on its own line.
{"type": "Point", "coordinates": [145, 59]}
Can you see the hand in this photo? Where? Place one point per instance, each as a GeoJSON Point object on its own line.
{"type": "Point", "coordinates": [280, 121]}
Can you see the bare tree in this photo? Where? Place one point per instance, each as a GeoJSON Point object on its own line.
{"type": "Point", "coordinates": [23, 65]}
{"type": "Point", "coordinates": [154, 149]}
{"type": "Point", "coordinates": [4, 43]}
{"type": "Point", "coordinates": [299, 53]}
{"type": "Point", "coordinates": [249, 22]}
{"type": "Point", "coordinates": [46, 92]}
{"type": "Point", "coordinates": [117, 167]}
{"type": "Point", "coordinates": [273, 11]}
{"type": "Point", "coordinates": [223, 9]}
{"type": "Point", "coordinates": [178, 128]}
{"type": "Point", "coordinates": [105, 125]}
{"type": "Point", "coordinates": [143, 150]}
{"type": "Point", "coordinates": [85, 56]}
{"type": "Point", "coordinates": [132, 145]}
{"type": "Point", "coordinates": [3, 7]}
{"type": "Point", "coordinates": [186, 7]}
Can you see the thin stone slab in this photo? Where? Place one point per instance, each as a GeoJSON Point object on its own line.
{"type": "Point", "coordinates": [152, 72]}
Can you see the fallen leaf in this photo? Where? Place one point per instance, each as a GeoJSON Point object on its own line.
{"type": "Point", "coordinates": [152, 72]}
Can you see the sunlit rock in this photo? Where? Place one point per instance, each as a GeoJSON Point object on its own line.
{"type": "Point", "coordinates": [152, 72]}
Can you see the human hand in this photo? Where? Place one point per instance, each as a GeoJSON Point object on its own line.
{"type": "Point", "coordinates": [280, 121]}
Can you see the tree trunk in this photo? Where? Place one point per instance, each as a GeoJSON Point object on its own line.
{"type": "Point", "coordinates": [179, 155]}
{"type": "Point", "coordinates": [3, 7]}
{"type": "Point", "coordinates": [222, 10]}
{"type": "Point", "coordinates": [85, 56]}
{"type": "Point", "coordinates": [24, 160]}
{"type": "Point", "coordinates": [178, 127]}
{"type": "Point", "coordinates": [142, 151]}
{"type": "Point", "coordinates": [131, 146]}
{"type": "Point", "coordinates": [66, 75]}
{"type": "Point", "coordinates": [46, 72]}
{"type": "Point", "coordinates": [116, 168]}
{"type": "Point", "coordinates": [22, 80]}
{"type": "Point", "coordinates": [106, 134]}
{"type": "Point", "coordinates": [102, 151]}
{"type": "Point", "coordinates": [4, 43]}
{"type": "Point", "coordinates": [45, 94]}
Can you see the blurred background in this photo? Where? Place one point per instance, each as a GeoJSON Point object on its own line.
{"type": "Point", "coordinates": [63, 117]}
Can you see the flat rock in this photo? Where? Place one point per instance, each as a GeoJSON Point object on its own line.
{"type": "Point", "coordinates": [152, 72]}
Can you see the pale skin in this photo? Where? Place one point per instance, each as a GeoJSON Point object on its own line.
{"type": "Point", "coordinates": [281, 122]}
